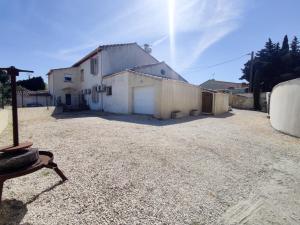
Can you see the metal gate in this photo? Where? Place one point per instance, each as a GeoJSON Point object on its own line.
{"type": "Point", "coordinates": [207, 102]}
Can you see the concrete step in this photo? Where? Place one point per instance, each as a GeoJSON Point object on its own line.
{"type": "Point", "coordinates": [177, 114]}
{"type": "Point", "coordinates": [194, 112]}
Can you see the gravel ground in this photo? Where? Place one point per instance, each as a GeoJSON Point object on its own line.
{"type": "Point", "coordinates": [232, 169]}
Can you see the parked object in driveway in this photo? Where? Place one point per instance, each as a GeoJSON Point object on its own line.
{"type": "Point", "coordinates": [285, 107]}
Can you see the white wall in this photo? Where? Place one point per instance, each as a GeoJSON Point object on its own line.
{"type": "Point", "coordinates": [179, 96]}
{"type": "Point", "coordinates": [43, 100]}
{"type": "Point", "coordinates": [112, 60]}
{"type": "Point", "coordinates": [50, 83]}
{"type": "Point", "coordinates": [123, 85]}
{"type": "Point", "coordinates": [57, 86]}
{"type": "Point", "coordinates": [285, 107]}
{"type": "Point", "coordinates": [220, 103]}
{"type": "Point", "coordinates": [118, 101]}
{"type": "Point", "coordinates": [91, 80]}
{"type": "Point", "coordinates": [119, 58]}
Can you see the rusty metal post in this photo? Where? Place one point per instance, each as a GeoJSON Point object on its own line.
{"type": "Point", "coordinates": [1, 190]}
{"type": "Point", "coordinates": [13, 74]}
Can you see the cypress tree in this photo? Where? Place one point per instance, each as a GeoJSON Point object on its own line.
{"type": "Point", "coordinates": [285, 45]}
{"type": "Point", "coordinates": [295, 47]}
{"type": "Point", "coordinates": [270, 47]}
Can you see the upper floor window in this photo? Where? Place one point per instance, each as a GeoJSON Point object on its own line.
{"type": "Point", "coordinates": [162, 72]}
{"type": "Point", "coordinates": [94, 66]}
{"type": "Point", "coordinates": [109, 90]}
{"type": "Point", "coordinates": [68, 78]}
{"type": "Point", "coordinates": [82, 75]}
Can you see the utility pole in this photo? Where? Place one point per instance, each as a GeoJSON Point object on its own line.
{"type": "Point", "coordinates": [251, 71]}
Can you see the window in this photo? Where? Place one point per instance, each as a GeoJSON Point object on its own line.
{"type": "Point", "coordinates": [95, 96]}
{"type": "Point", "coordinates": [163, 72]}
{"type": "Point", "coordinates": [109, 90]}
{"type": "Point", "coordinates": [82, 75]}
{"type": "Point", "coordinates": [68, 78]}
{"type": "Point", "coordinates": [94, 66]}
{"type": "Point", "coordinates": [58, 100]}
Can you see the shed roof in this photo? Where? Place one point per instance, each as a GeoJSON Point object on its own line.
{"type": "Point", "coordinates": [221, 85]}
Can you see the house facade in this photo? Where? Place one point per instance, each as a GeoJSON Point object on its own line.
{"type": "Point", "coordinates": [123, 78]}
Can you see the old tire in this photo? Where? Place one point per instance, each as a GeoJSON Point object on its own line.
{"type": "Point", "coordinates": [10, 162]}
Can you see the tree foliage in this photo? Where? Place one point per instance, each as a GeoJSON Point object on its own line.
{"type": "Point", "coordinates": [33, 84]}
{"type": "Point", "coordinates": [5, 93]}
{"type": "Point", "coordinates": [274, 64]}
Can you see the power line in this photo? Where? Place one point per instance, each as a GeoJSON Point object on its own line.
{"type": "Point", "coordinates": [217, 64]}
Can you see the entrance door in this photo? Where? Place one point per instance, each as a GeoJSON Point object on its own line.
{"type": "Point", "coordinates": [143, 100]}
{"type": "Point", "coordinates": [68, 99]}
{"type": "Point", "coordinates": [207, 102]}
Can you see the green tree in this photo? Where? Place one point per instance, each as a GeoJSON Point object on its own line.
{"type": "Point", "coordinates": [295, 47]}
{"type": "Point", "coordinates": [273, 64]}
{"type": "Point", "coordinates": [4, 88]}
{"type": "Point", "coordinates": [285, 45]}
{"type": "Point", "coordinates": [33, 84]}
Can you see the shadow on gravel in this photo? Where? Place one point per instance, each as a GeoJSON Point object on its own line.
{"type": "Point", "coordinates": [133, 118]}
{"type": "Point", "coordinates": [12, 211]}
{"type": "Point", "coordinates": [45, 191]}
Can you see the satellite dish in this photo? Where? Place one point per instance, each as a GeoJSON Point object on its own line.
{"type": "Point", "coordinates": [147, 48]}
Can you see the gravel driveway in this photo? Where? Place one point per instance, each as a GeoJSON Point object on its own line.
{"type": "Point", "coordinates": [233, 169]}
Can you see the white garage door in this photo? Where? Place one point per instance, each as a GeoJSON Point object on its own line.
{"type": "Point", "coordinates": [143, 100]}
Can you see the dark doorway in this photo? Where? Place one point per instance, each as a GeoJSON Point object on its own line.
{"type": "Point", "coordinates": [68, 99]}
{"type": "Point", "coordinates": [207, 102]}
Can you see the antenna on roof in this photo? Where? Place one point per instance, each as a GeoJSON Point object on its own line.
{"type": "Point", "coordinates": [147, 48]}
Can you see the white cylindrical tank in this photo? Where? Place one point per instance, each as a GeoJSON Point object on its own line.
{"type": "Point", "coordinates": [285, 107]}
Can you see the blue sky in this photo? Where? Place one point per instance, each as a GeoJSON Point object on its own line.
{"type": "Point", "coordinates": [187, 34]}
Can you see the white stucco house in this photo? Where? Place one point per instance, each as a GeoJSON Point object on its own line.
{"type": "Point", "coordinates": [123, 78]}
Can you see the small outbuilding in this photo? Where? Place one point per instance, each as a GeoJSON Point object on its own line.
{"type": "Point", "coordinates": [27, 98]}
{"type": "Point", "coordinates": [285, 107]}
{"type": "Point", "coordinates": [214, 103]}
